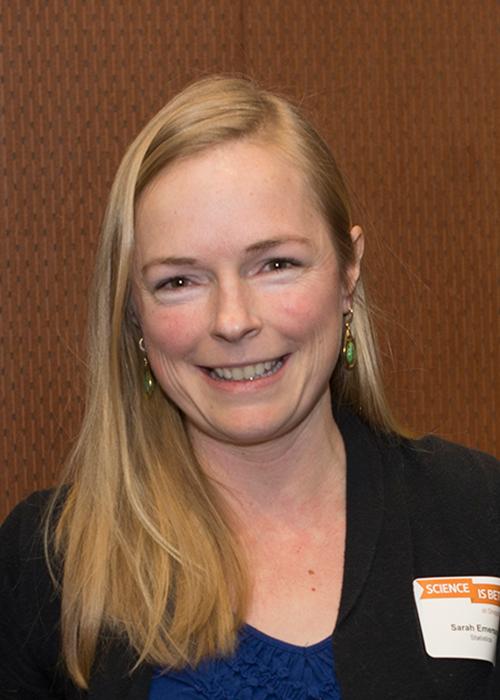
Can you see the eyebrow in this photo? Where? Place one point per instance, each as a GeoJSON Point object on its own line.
{"type": "Point", "coordinates": [259, 246]}
{"type": "Point", "coordinates": [172, 260]}
{"type": "Point", "coordinates": [274, 242]}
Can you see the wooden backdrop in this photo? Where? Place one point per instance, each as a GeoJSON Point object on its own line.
{"type": "Point", "coordinates": [406, 92]}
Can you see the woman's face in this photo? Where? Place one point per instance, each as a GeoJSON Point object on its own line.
{"type": "Point", "coordinates": [238, 293]}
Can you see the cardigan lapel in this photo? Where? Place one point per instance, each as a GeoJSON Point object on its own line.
{"type": "Point", "coordinates": [364, 507]}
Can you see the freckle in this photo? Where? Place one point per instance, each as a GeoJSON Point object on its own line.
{"type": "Point", "coordinates": [310, 572]}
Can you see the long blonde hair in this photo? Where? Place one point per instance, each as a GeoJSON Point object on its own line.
{"type": "Point", "coordinates": [145, 542]}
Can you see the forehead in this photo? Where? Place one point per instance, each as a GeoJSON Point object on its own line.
{"type": "Point", "coordinates": [229, 194]}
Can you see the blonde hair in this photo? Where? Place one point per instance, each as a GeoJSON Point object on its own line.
{"type": "Point", "coordinates": [147, 546]}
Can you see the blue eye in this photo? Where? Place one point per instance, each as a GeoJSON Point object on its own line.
{"type": "Point", "coordinates": [279, 264]}
{"type": "Point", "coordinates": [173, 283]}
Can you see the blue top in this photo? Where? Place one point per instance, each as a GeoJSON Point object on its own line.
{"type": "Point", "coordinates": [262, 668]}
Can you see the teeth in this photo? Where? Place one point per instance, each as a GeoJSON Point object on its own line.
{"type": "Point", "coordinates": [248, 371]}
{"type": "Point", "coordinates": [251, 372]}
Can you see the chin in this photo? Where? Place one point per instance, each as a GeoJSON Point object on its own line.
{"type": "Point", "coordinates": [249, 431]}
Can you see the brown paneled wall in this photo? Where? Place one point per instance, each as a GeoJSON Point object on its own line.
{"type": "Point", "coordinates": [405, 92]}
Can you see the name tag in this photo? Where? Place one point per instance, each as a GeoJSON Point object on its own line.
{"type": "Point", "coordinates": [459, 616]}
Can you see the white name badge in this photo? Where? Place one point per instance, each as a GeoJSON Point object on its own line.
{"type": "Point", "coordinates": [459, 616]}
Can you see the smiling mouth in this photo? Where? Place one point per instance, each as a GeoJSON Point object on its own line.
{"type": "Point", "coordinates": [246, 373]}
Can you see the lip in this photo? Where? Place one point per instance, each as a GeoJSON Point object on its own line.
{"type": "Point", "coordinates": [245, 385]}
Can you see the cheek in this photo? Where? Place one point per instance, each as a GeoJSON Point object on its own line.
{"type": "Point", "coordinates": [171, 334]}
{"type": "Point", "coordinates": [314, 311]}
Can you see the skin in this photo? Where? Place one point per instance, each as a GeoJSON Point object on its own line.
{"type": "Point", "coordinates": [234, 266]}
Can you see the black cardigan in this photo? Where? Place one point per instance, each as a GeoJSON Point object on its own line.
{"type": "Point", "coordinates": [415, 509]}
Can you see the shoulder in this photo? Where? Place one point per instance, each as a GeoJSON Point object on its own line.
{"type": "Point", "coordinates": [22, 539]}
{"type": "Point", "coordinates": [437, 462]}
{"type": "Point", "coordinates": [21, 535]}
{"type": "Point", "coordinates": [29, 624]}
{"type": "Point", "coordinates": [26, 516]}
{"type": "Point", "coordinates": [433, 468]}
{"type": "Point", "coordinates": [429, 462]}
{"type": "Point", "coordinates": [451, 494]}
{"type": "Point", "coordinates": [425, 469]}
{"type": "Point", "coordinates": [445, 499]}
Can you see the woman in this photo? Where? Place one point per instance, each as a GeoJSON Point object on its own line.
{"type": "Point", "coordinates": [240, 517]}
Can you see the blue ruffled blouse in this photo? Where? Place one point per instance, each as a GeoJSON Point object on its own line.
{"type": "Point", "coordinates": [262, 668]}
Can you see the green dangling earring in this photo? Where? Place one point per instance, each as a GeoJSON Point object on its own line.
{"type": "Point", "coordinates": [349, 353]}
{"type": "Point", "coordinates": [148, 379]}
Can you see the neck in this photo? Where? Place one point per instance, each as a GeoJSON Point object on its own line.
{"type": "Point", "coordinates": [288, 478]}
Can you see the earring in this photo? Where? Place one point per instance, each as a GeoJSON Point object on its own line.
{"type": "Point", "coordinates": [147, 378]}
{"type": "Point", "coordinates": [349, 346]}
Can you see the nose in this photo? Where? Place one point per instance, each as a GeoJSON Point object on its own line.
{"type": "Point", "coordinates": [235, 315]}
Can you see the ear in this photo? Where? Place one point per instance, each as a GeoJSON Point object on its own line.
{"type": "Point", "coordinates": [354, 269]}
